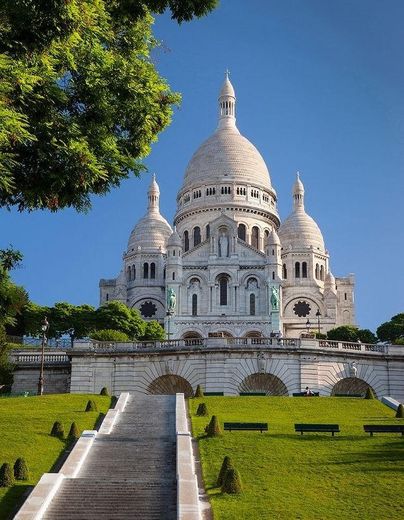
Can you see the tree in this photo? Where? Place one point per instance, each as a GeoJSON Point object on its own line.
{"type": "Point", "coordinates": [12, 297]}
{"type": "Point", "coordinates": [109, 335]}
{"type": "Point", "coordinates": [116, 315]}
{"type": "Point", "coordinates": [391, 330]}
{"type": "Point", "coordinates": [153, 331]}
{"type": "Point", "coordinates": [80, 98]}
{"type": "Point", "coordinates": [351, 333]}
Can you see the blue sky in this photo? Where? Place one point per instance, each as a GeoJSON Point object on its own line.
{"type": "Point", "coordinates": [320, 89]}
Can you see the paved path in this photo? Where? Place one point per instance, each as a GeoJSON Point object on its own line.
{"type": "Point", "coordinates": [128, 474]}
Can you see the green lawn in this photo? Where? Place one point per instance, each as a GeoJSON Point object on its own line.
{"type": "Point", "coordinates": [25, 423]}
{"type": "Point", "coordinates": [314, 476]}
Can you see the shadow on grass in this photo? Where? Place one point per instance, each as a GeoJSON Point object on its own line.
{"type": "Point", "coordinates": [13, 500]}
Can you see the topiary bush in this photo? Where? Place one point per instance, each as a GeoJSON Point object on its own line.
{"type": "Point", "coordinates": [369, 393]}
{"type": "Point", "coordinates": [199, 392]}
{"type": "Point", "coordinates": [202, 410]}
{"type": "Point", "coordinates": [213, 429]}
{"type": "Point", "coordinates": [58, 430]}
{"type": "Point", "coordinates": [226, 465]}
{"type": "Point", "coordinates": [91, 406]}
{"type": "Point", "coordinates": [109, 335]}
{"type": "Point", "coordinates": [400, 412]}
{"type": "Point", "coordinates": [74, 432]}
{"type": "Point", "coordinates": [232, 482]}
{"type": "Point", "coordinates": [21, 470]}
{"type": "Point", "coordinates": [6, 475]}
{"type": "Point", "coordinates": [104, 391]}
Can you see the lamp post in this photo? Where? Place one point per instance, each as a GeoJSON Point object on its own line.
{"type": "Point", "coordinates": [318, 314]}
{"type": "Point", "coordinates": [44, 329]}
{"type": "Point", "coordinates": [308, 325]}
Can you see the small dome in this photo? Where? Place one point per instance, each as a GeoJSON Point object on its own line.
{"type": "Point", "coordinates": [227, 88]}
{"type": "Point", "coordinates": [175, 239]}
{"type": "Point", "coordinates": [298, 187]}
{"type": "Point", "coordinates": [301, 232]}
{"type": "Point", "coordinates": [151, 232]}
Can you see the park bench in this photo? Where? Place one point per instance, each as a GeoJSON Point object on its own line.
{"type": "Point", "coordinates": [243, 394]}
{"type": "Point", "coordinates": [383, 428]}
{"type": "Point", "coordinates": [322, 428]}
{"type": "Point", "coordinates": [303, 394]}
{"type": "Point", "coordinates": [246, 426]}
{"type": "Point", "coordinates": [209, 394]}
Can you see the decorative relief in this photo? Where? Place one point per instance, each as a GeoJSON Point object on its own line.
{"type": "Point", "coordinates": [148, 309]}
{"type": "Point", "coordinates": [301, 309]}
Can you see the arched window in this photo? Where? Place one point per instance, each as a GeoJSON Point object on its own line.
{"type": "Point", "coordinates": [164, 273]}
{"type": "Point", "coordinates": [153, 270]}
{"type": "Point", "coordinates": [129, 273]}
{"type": "Point", "coordinates": [252, 304]}
{"type": "Point", "coordinates": [194, 305]}
{"type": "Point", "coordinates": [255, 237]}
{"type": "Point", "coordinates": [304, 269]}
{"type": "Point", "coordinates": [186, 241]}
{"type": "Point", "coordinates": [145, 270]}
{"type": "Point", "coordinates": [317, 272]}
{"type": "Point", "coordinates": [197, 235]}
{"type": "Point", "coordinates": [173, 275]}
{"type": "Point", "coordinates": [107, 297]}
{"type": "Point", "coordinates": [242, 232]}
{"type": "Point", "coordinates": [266, 236]}
{"type": "Point", "coordinates": [223, 282]}
{"type": "Point", "coordinates": [297, 270]}
{"type": "Point", "coordinates": [273, 275]}
{"type": "Point", "coordinates": [284, 272]}
{"type": "Point", "coordinates": [133, 272]}
{"type": "Point", "coordinates": [207, 231]}
{"type": "Point", "coordinates": [322, 272]}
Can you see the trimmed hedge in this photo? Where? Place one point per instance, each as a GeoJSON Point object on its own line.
{"type": "Point", "coordinates": [202, 410]}
{"type": "Point", "coordinates": [199, 392]}
{"type": "Point", "coordinates": [91, 406]}
{"type": "Point", "coordinates": [232, 482]}
{"type": "Point", "coordinates": [58, 430]}
{"type": "Point", "coordinates": [213, 429]}
{"type": "Point", "coordinates": [226, 465]}
{"type": "Point", "coordinates": [6, 475]}
{"type": "Point", "coordinates": [21, 470]}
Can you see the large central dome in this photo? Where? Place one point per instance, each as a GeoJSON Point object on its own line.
{"type": "Point", "coordinates": [227, 156]}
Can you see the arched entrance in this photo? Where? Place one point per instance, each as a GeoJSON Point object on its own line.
{"type": "Point", "coordinates": [170, 384]}
{"type": "Point", "coordinates": [191, 335]}
{"type": "Point", "coordinates": [351, 385]}
{"type": "Point", "coordinates": [267, 383]}
{"type": "Point", "coordinates": [253, 334]}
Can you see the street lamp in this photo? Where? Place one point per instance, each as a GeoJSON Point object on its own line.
{"type": "Point", "coordinates": [318, 314]}
{"type": "Point", "coordinates": [44, 329]}
{"type": "Point", "coordinates": [308, 325]}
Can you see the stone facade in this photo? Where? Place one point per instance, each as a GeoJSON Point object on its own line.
{"type": "Point", "coordinates": [230, 266]}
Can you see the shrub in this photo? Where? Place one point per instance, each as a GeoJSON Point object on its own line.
{"type": "Point", "coordinates": [226, 465]}
{"type": "Point", "coordinates": [202, 410]}
{"type": "Point", "coordinates": [369, 393]}
{"type": "Point", "coordinates": [74, 432]}
{"type": "Point", "coordinates": [398, 341]}
{"type": "Point", "coordinates": [21, 470]}
{"type": "Point", "coordinates": [109, 335]}
{"type": "Point", "coordinates": [91, 406]}
{"type": "Point", "coordinates": [213, 429]}
{"type": "Point", "coordinates": [58, 430]}
{"type": "Point", "coordinates": [104, 391]}
{"type": "Point", "coordinates": [6, 475]}
{"type": "Point", "coordinates": [232, 482]}
{"type": "Point", "coordinates": [400, 412]}
{"type": "Point", "coordinates": [198, 391]}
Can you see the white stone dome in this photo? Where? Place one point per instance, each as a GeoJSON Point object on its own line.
{"type": "Point", "coordinates": [227, 156]}
{"type": "Point", "coordinates": [175, 239]}
{"type": "Point", "coordinates": [151, 232]}
{"type": "Point", "coordinates": [299, 230]}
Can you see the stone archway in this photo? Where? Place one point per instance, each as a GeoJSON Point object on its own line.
{"type": "Point", "coordinates": [170, 384]}
{"type": "Point", "coordinates": [267, 383]}
{"type": "Point", "coordinates": [351, 385]}
{"type": "Point", "coordinates": [191, 335]}
{"type": "Point", "coordinates": [253, 334]}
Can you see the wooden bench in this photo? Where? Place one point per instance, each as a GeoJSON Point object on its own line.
{"type": "Point", "coordinates": [246, 426]}
{"type": "Point", "coordinates": [210, 394]}
{"type": "Point", "coordinates": [347, 395]}
{"type": "Point", "coordinates": [383, 428]}
{"type": "Point", "coordinates": [322, 428]}
{"type": "Point", "coordinates": [303, 394]}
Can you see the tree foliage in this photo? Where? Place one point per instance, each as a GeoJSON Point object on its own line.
{"type": "Point", "coordinates": [109, 335]}
{"type": "Point", "coordinates": [12, 297]}
{"type": "Point", "coordinates": [391, 330]}
{"type": "Point", "coordinates": [81, 101]}
{"type": "Point", "coordinates": [351, 333]}
{"type": "Point", "coordinates": [116, 315]}
{"type": "Point", "coordinates": [153, 331]}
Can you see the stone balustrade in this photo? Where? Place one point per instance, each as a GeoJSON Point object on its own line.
{"type": "Point", "coordinates": [34, 358]}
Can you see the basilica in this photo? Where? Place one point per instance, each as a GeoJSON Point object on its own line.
{"type": "Point", "coordinates": [229, 266]}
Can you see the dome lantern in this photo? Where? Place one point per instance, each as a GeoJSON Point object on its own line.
{"type": "Point", "coordinates": [227, 104]}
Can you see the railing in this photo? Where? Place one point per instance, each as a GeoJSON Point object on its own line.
{"type": "Point", "coordinates": [28, 341]}
{"type": "Point", "coordinates": [358, 347]}
{"type": "Point", "coordinates": [34, 358]}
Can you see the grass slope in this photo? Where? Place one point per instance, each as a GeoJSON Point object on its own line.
{"type": "Point", "coordinates": [25, 423]}
{"type": "Point", "coordinates": [315, 476]}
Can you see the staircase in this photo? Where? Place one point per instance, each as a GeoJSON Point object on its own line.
{"type": "Point", "coordinates": [128, 474]}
